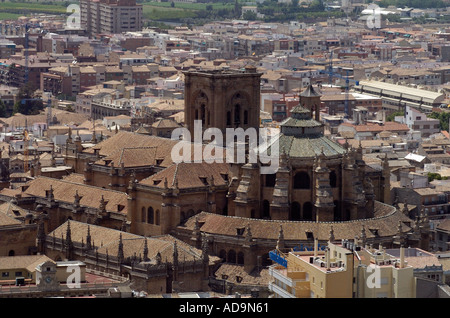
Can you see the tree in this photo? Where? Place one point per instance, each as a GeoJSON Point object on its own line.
{"type": "Point", "coordinates": [249, 15]}
{"type": "Point", "coordinates": [443, 119]}
{"type": "Point", "coordinates": [434, 176]}
{"type": "Point", "coordinates": [317, 5]}
{"type": "Point", "coordinates": [392, 116]}
{"type": "Point", "coordinates": [27, 102]}
{"type": "Point", "coordinates": [2, 109]}
{"type": "Point", "coordinates": [237, 9]}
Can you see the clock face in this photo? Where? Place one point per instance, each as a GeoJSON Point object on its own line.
{"type": "Point", "coordinates": [48, 280]}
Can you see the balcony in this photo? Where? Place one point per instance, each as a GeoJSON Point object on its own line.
{"type": "Point", "coordinates": [297, 282]}
{"type": "Point", "coordinates": [280, 291]}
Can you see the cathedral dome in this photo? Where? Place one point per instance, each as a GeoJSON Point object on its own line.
{"type": "Point", "coordinates": [301, 136]}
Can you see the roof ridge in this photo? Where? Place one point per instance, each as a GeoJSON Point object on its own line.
{"type": "Point", "coordinates": [175, 174]}
{"type": "Point", "coordinates": [394, 210]}
{"type": "Point", "coordinates": [64, 226]}
{"type": "Point", "coordinates": [159, 172]}
{"type": "Point", "coordinates": [79, 184]}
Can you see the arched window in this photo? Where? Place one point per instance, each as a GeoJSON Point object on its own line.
{"type": "Point", "coordinates": [308, 211]}
{"type": "Point", "coordinates": [182, 217]}
{"type": "Point", "coordinates": [240, 258]}
{"type": "Point", "coordinates": [228, 118]}
{"type": "Point", "coordinates": [237, 114]}
{"type": "Point", "coordinates": [190, 213]}
{"type": "Point", "coordinates": [333, 179]}
{"type": "Point", "coordinates": [301, 180]}
{"type": "Point", "coordinates": [266, 209]}
{"type": "Point", "coordinates": [295, 211]}
{"type": "Point", "coordinates": [11, 253]}
{"type": "Point", "coordinates": [347, 215]}
{"type": "Point", "coordinates": [203, 113]}
{"type": "Point", "coordinates": [223, 255]}
{"type": "Point", "coordinates": [150, 216]}
{"type": "Point", "coordinates": [270, 180]}
{"type": "Point", "coordinates": [336, 211]}
{"type": "Point", "coordinates": [245, 117]}
{"type": "Point", "coordinates": [157, 217]}
{"type": "Point", "coordinates": [231, 257]}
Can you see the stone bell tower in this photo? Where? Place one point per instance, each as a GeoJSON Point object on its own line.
{"type": "Point", "coordinates": [222, 99]}
{"type": "Point", "coordinates": [310, 99]}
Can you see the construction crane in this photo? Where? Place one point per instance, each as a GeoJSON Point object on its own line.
{"type": "Point", "coordinates": [26, 139]}
{"type": "Point", "coordinates": [332, 74]}
{"type": "Point", "coordinates": [26, 53]}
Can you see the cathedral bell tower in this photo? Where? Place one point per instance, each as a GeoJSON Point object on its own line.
{"type": "Point", "coordinates": [222, 99]}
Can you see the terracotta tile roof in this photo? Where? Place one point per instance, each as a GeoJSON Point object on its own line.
{"type": "Point", "coordinates": [28, 262]}
{"type": "Point", "coordinates": [168, 105]}
{"type": "Point", "coordinates": [386, 216]}
{"type": "Point", "coordinates": [189, 175]}
{"type": "Point", "coordinates": [11, 192]}
{"type": "Point", "coordinates": [376, 128]}
{"type": "Point", "coordinates": [64, 118]}
{"type": "Point", "coordinates": [165, 123]}
{"type": "Point", "coordinates": [336, 97]}
{"type": "Point", "coordinates": [132, 157]}
{"type": "Point", "coordinates": [230, 271]}
{"type": "Point", "coordinates": [90, 196]}
{"type": "Point", "coordinates": [107, 239]}
{"type": "Point", "coordinates": [8, 220]}
{"type": "Point", "coordinates": [123, 139]}
{"type": "Point", "coordinates": [444, 225]}
{"type": "Point", "coordinates": [391, 126]}
{"type": "Point", "coordinates": [12, 210]}
{"type": "Point", "coordinates": [142, 130]}
{"type": "Point", "coordinates": [178, 117]}
{"type": "Point", "coordinates": [74, 177]}
{"type": "Point", "coordinates": [422, 261]}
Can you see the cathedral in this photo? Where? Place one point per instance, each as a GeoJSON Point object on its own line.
{"type": "Point", "coordinates": [322, 190]}
{"type": "Point", "coordinates": [233, 211]}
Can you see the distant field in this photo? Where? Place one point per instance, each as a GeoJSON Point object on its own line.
{"type": "Point", "coordinates": [190, 6]}
{"type": "Point", "coordinates": [163, 11]}
{"type": "Point", "coordinates": [21, 8]}
{"type": "Point", "coordinates": [158, 11]}
{"type": "Point", "coordinates": [9, 16]}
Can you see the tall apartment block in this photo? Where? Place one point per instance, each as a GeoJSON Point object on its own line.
{"type": "Point", "coordinates": [110, 16]}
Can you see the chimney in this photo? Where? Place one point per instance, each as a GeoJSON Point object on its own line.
{"type": "Point", "coordinates": [327, 258]}
{"type": "Point", "coordinates": [402, 257]}
{"type": "Point", "coordinates": [316, 246]}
